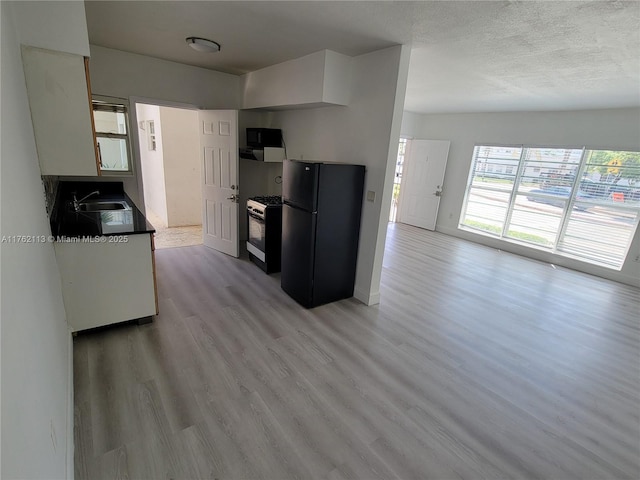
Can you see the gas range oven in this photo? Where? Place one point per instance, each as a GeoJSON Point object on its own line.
{"type": "Point", "coordinates": [264, 227]}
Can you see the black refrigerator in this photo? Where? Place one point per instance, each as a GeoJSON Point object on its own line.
{"type": "Point", "coordinates": [322, 203]}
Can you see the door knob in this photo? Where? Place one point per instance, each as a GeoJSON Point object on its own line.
{"type": "Point", "coordinates": [233, 198]}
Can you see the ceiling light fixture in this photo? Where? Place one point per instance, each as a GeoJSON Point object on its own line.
{"type": "Point", "coordinates": [203, 45]}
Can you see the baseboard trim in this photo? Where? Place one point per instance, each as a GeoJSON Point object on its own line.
{"type": "Point", "coordinates": [366, 297]}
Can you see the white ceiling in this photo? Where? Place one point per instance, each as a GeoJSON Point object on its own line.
{"type": "Point", "coordinates": [472, 56]}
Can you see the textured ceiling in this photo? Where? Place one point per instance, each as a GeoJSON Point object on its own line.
{"type": "Point", "coordinates": [466, 56]}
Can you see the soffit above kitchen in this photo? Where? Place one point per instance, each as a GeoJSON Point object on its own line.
{"type": "Point", "coordinates": [472, 56]}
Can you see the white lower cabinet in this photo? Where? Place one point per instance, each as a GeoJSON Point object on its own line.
{"type": "Point", "coordinates": [107, 281]}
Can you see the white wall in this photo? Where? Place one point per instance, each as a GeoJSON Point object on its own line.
{"type": "Point", "coordinates": [36, 358]}
{"type": "Point", "coordinates": [59, 25]}
{"type": "Point", "coordinates": [366, 132]}
{"type": "Point", "coordinates": [609, 129]}
{"type": "Point", "coordinates": [152, 163]}
{"type": "Point", "coordinates": [181, 154]}
{"type": "Point", "coordinates": [121, 74]}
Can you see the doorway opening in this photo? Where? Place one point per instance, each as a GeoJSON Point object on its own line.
{"type": "Point", "coordinates": [170, 170]}
{"type": "Point", "coordinates": [397, 179]}
{"type": "Point", "coordinates": [423, 164]}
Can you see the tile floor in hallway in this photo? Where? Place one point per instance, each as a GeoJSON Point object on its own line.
{"type": "Point", "coordinates": [169, 237]}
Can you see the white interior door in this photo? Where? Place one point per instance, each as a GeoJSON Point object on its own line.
{"type": "Point", "coordinates": [219, 160]}
{"type": "Point", "coordinates": [422, 179]}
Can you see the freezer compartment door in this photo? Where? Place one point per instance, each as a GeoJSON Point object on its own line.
{"type": "Point", "coordinates": [298, 245]}
{"type": "Point", "coordinates": [300, 184]}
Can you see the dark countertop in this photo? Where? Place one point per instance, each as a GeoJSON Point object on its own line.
{"type": "Point", "coordinates": [66, 222]}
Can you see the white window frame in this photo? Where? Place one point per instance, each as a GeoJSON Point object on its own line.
{"type": "Point", "coordinates": [567, 208]}
{"type": "Point", "coordinates": [122, 136]}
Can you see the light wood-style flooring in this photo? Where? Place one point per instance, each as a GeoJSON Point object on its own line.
{"type": "Point", "coordinates": [477, 364]}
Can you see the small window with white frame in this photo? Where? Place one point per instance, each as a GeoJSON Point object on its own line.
{"type": "Point", "coordinates": [111, 119]}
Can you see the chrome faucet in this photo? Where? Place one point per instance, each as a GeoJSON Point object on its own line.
{"type": "Point", "coordinates": [76, 202]}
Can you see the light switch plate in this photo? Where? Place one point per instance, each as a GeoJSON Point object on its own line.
{"type": "Point", "coordinates": [371, 196]}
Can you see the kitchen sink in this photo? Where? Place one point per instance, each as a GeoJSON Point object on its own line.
{"type": "Point", "coordinates": [102, 206]}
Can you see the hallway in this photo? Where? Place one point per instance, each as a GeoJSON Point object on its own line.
{"type": "Point", "coordinates": [174, 236]}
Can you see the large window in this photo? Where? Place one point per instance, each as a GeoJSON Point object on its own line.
{"type": "Point", "coordinates": [110, 116]}
{"type": "Point", "coordinates": [575, 202]}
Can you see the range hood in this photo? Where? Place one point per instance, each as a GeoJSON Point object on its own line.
{"type": "Point", "coordinates": [266, 154]}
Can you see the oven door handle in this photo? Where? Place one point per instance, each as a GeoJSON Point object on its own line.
{"type": "Point", "coordinates": [256, 216]}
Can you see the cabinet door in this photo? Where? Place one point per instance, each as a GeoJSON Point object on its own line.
{"type": "Point", "coordinates": [60, 111]}
{"type": "Point", "coordinates": [273, 154]}
{"type": "Point", "coordinates": [105, 283]}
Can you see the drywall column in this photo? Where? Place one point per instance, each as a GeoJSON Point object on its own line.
{"type": "Point", "coordinates": [389, 95]}
{"type": "Point", "coordinates": [36, 361]}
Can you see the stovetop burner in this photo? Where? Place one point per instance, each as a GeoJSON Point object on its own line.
{"type": "Point", "coordinates": [268, 199]}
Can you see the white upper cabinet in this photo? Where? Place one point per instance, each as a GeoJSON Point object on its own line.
{"type": "Point", "coordinates": [61, 114]}
{"type": "Point", "coordinates": [319, 79]}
